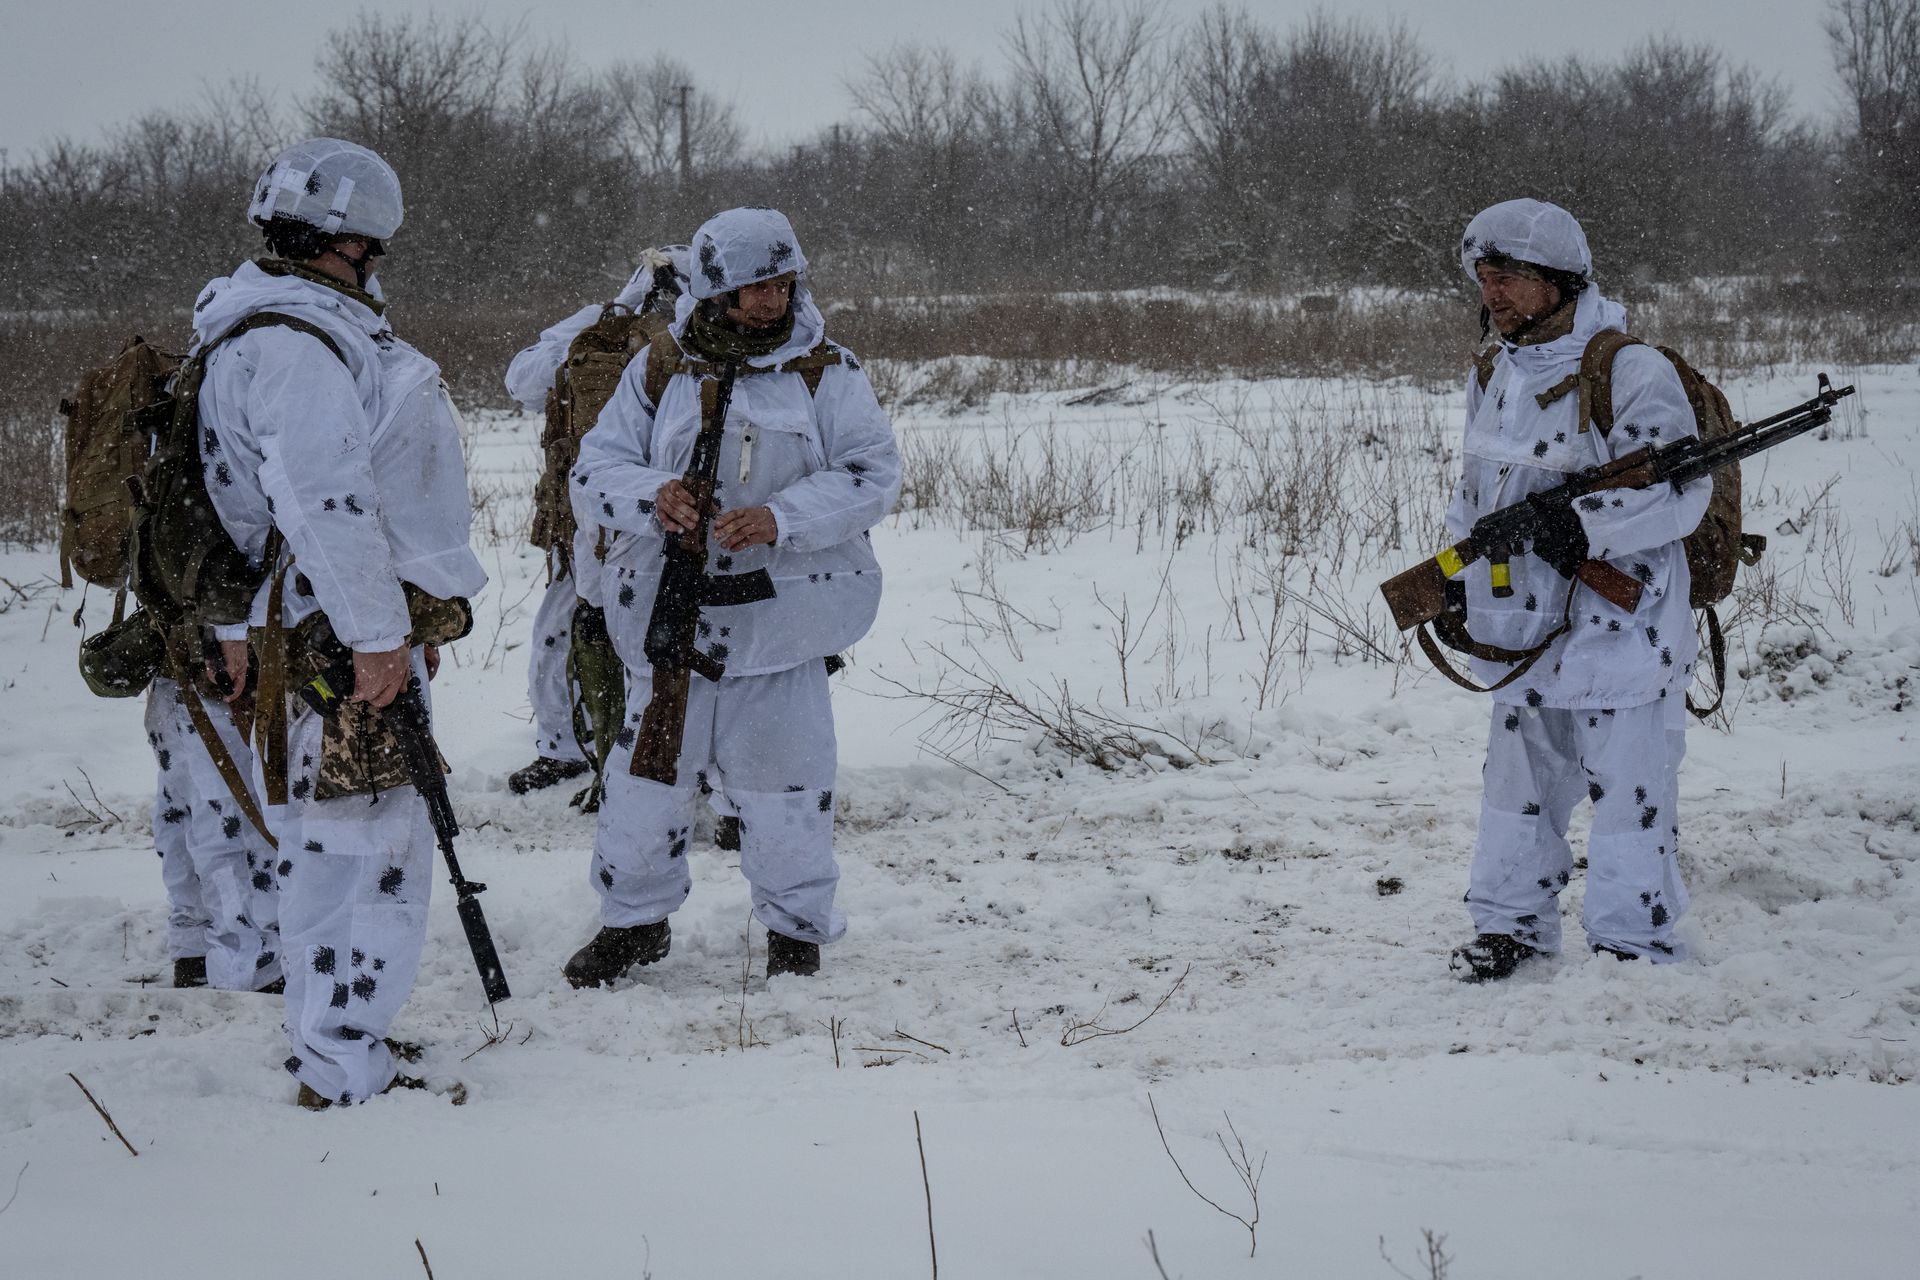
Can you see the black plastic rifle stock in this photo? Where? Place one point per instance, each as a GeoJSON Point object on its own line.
{"type": "Point", "coordinates": [406, 717]}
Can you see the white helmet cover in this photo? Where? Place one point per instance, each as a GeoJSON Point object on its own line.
{"type": "Point", "coordinates": [742, 246]}
{"type": "Point", "coordinates": [1530, 231]}
{"type": "Point", "coordinates": [340, 187]}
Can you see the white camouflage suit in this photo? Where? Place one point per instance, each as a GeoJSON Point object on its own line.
{"type": "Point", "coordinates": [828, 468]}
{"type": "Point", "coordinates": [529, 379]}
{"type": "Point", "coordinates": [1601, 715]}
{"type": "Point", "coordinates": [359, 466]}
{"type": "Point", "coordinates": [218, 871]}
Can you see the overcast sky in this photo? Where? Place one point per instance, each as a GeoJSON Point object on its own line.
{"type": "Point", "coordinates": [77, 67]}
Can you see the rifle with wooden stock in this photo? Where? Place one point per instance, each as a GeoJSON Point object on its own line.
{"type": "Point", "coordinates": [685, 586]}
{"type": "Point", "coordinates": [1432, 588]}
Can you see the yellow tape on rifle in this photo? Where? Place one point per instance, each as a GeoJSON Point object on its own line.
{"type": "Point", "coordinates": [1502, 575]}
{"type": "Point", "coordinates": [1450, 562]}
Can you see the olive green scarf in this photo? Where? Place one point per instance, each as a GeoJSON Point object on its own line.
{"type": "Point", "coordinates": [713, 337]}
{"type": "Point", "coordinates": [287, 267]}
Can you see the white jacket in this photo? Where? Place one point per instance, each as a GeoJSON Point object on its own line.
{"type": "Point", "coordinates": [1514, 447]}
{"type": "Point", "coordinates": [826, 465]}
{"type": "Point", "coordinates": [358, 463]}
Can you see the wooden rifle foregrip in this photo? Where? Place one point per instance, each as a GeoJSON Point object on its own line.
{"type": "Point", "coordinates": [663, 725]}
{"type": "Point", "coordinates": [1420, 594]}
{"type": "Point", "coordinates": [1622, 590]}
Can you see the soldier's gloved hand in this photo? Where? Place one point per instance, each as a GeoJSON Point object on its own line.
{"type": "Point", "coordinates": [379, 677]}
{"type": "Point", "coordinates": [1561, 540]}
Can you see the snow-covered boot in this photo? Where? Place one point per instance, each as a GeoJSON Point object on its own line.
{"type": "Point", "coordinates": [1489, 957]}
{"type": "Point", "coordinates": [544, 772]}
{"type": "Point", "coordinates": [190, 971]}
{"type": "Point", "coordinates": [791, 955]}
{"type": "Point", "coordinates": [613, 951]}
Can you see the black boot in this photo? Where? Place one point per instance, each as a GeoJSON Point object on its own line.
{"type": "Point", "coordinates": [1489, 957]}
{"type": "Point", "coordinates": [544, 772]}
{"type": "Point", "coordinates": [190, 971]}
{"type": "Point", "coordinates": [614, 951]}
{"type": "Point", "coordinates": [791, 955]}
{"type": "Point", "coordinates": [726, 834]}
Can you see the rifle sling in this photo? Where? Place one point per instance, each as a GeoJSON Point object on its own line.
{"type": "Point", "coordinates": [1717, 654]}
{"type": "Point", "coordinates": [210, 739]}
{"type": "Point", "coordinates": [271, 695]}
{"type": "Point", "coordinates": [1452, 630]}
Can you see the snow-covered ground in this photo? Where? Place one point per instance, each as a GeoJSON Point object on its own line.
{"type": "Point", "coordinates": [1275, 880]}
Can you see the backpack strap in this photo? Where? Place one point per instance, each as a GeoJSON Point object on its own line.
{"type": "Point", "coordinates": [1596, 377]}
{"type": "Point", "coordinates": [664, 359]}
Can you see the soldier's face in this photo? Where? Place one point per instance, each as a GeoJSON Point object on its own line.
{"type": "Point", "coordinates": [762, 303]}
{"type": "Point", "coordinates": [1513, 297]}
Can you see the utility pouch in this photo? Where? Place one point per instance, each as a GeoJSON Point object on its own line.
{"type": "Point", "coordinates": [358, 753]}
{"type": "Point", "coordinates": [121, 660]}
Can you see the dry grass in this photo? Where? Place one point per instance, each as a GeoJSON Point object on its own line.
{"type": "Point", "coordinates": [960, 352]}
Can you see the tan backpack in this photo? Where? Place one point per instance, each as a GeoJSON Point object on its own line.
{"type": "Point", "coordinates": [108, 440]}
{"type": "Point", "coordinates": [1717, 547]}
{"type": "Point", "coordinates": [583, 384]}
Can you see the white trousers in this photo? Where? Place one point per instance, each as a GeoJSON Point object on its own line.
{"type": "Point", "coordinates": [218, 871]}
{"type": "Point", "coordinates": [766, 742]}
{"type": "Point", "coordinates": [1541, 762]}
{"type": "Point", "coordinates": [548, 688]}
{"type": "Point", "coordinates": [355, 877]}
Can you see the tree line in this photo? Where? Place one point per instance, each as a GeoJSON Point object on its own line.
{"type": "Point", "coordinates": [1109, 148]}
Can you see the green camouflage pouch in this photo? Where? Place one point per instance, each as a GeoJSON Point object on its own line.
{"type": "Point", "coordinates": [358, 755]}
{"type": "Point", "coordinates": [121, 660]}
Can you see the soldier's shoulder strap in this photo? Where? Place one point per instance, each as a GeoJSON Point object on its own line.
{"type": "Point", "coordinates": [1483, 362]}
{"type": "Point", "coordinates": [665, 358]}
{"type": "Point", "coordinates": [276, 320]}
{"type": "Point", "coordinates": [813, 365]}
{"type": "Point", "coordinates": [1596, 377]}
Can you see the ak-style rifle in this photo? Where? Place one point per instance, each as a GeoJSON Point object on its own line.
{"type": "Point", "coordinates": [406, 718]}
{"type": "Point", "coordinates": [1421, 593]}
{"type": "Point", "coordinates": [673, 628]}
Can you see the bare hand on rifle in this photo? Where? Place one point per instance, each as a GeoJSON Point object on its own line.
{"type": "Point", "coordinates": [378, 677]}
{"type": "Point", "coordinates": [233, 654]}
{"type": "Point", "coordinates": [675, 508]}
{"type": "Point", "coordinates": [747, 527]}
{"type": "Point", "coordinates": [432, 655]}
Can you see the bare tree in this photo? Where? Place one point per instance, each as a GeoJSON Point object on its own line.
{"type": "Point", "coordinates": [1093, 77]}
{"type": "Point", "coordinates": [1876, 50]}
{"type": "Point", "coordinates": [650, 98]}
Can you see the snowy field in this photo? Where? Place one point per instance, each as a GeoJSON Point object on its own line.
{"type": "Point", "coordinates": [1141, 808]}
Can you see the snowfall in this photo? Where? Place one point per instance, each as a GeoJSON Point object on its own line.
{"type": "Point", "coordinates": [1153, 837]}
